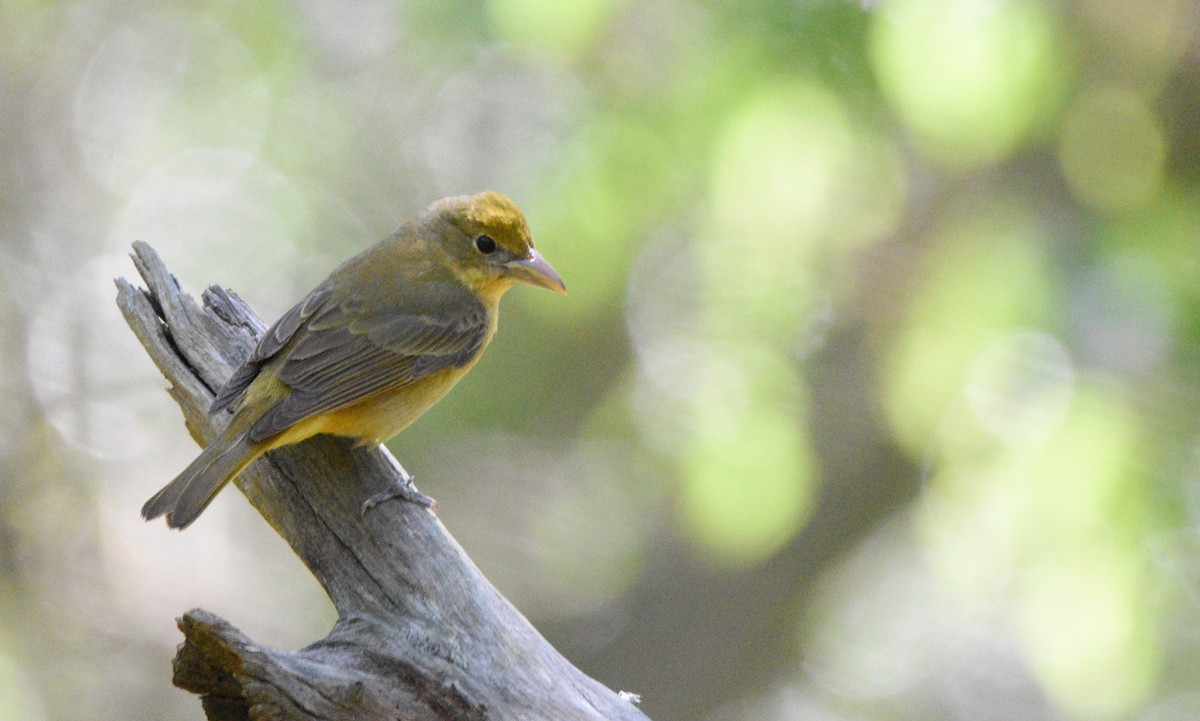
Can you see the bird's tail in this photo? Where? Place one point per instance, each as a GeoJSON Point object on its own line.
{"type": "Point", "coordinates": [185, 498]}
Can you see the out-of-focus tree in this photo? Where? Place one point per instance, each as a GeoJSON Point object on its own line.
{"type": "Point", "coordinates": [872, 397]}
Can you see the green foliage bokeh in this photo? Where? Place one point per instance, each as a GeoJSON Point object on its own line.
{"type": "Point", "coordinates": [799, 237]}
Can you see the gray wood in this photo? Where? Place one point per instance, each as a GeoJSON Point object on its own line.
{"type": "Point", "coordinates": [421, 634]}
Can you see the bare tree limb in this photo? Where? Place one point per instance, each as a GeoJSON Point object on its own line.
{"type": "Point", "coordinates": [421, 634]}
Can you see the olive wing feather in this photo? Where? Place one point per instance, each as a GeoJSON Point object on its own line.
{"type": "Point", "coordinates": [273, 341]}
{"type": "Point", "coordinates": [340, 353]}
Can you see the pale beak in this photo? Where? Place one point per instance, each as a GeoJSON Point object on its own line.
{"type": "Point", "coordinates": [534, 270]}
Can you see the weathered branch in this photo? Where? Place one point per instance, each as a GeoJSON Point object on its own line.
{"type": "Point", "coordinates": [421, 634]}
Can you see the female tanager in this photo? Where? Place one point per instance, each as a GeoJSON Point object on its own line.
{"type": "Point", "coordinates": [370, 349]}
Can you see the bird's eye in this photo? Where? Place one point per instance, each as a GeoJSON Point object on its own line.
{"type": "Point", "coordinates": [485, 244]}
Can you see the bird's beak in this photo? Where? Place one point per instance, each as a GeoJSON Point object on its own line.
{"type": "Point", "coordinates": [534, 270]}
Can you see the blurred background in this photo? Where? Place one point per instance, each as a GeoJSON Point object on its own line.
{"type": "Point", "coordinates": [874, 396]}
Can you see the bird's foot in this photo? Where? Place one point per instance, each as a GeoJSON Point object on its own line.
{"type": "Point", "coordinates": [403, 491]}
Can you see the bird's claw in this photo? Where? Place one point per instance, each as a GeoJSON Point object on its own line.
{"type": "Point", "coordinates": [403, 491]}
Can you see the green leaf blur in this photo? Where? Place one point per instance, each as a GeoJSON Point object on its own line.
{"type": "Point", "coordinates": [873, 395]}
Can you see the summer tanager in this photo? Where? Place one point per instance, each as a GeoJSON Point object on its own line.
{"type": "Point", "coordinates": [371, 348]}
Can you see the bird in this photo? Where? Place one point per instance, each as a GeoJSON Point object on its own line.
{"type": "Point", "coordinates": [373, 346]}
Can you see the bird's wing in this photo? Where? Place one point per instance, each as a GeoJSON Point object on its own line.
{"type": "Point", "coordinates": [343, 352]}
{"type": "Point", "coordinates": [273, 341]}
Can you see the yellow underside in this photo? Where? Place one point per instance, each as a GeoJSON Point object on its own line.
{"type": "Point", "coordinates": [377, 418]}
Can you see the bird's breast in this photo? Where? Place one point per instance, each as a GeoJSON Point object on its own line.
{"type": "Point", "coordinates": [381, 416]}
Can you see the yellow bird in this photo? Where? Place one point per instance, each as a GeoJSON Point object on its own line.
{"type": "Point", "coordinates": [371, 348]}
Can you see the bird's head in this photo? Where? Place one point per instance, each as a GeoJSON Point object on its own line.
{"type": "Point", "coordinates": [489, 245]}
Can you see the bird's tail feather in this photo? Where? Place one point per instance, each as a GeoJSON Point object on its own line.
{"type": "Point", "coordinates": [185, 498]}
